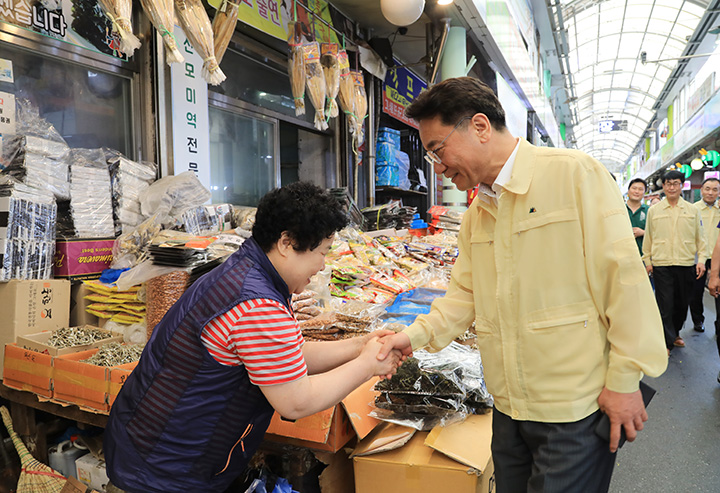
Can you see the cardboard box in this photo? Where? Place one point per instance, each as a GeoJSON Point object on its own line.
{"type": "Point", "coordinates": [81, 383]}
{"type": "Point", "coordinates": [455, 458]}
{"type": "Point", "coordinates": [78, 304]}
{"type": "Point", "coordinates": [118, 376]}
{"type": "Point", "coordinates": [92, 472]}
{"type": "Point", "coordinates": [38, 342]}
{"type": "Point", "coordinates": [333, 428]}
{"type": "Point", "coordinates": [82, 258]}
{"type": "Point", "coordinates": [32, 306]}
{"type": "Point", "coordinates": [76, 486]}
{"type": "Point", "coordinates": [28, 370]}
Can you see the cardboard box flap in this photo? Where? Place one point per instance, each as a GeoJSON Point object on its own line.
{"type": "Point", "coordinates": [314, 428]}
{"type": "Point", "coordinates": [358, 405]}
{"type": "Point", "coordinates": [467, 442]}
{"type": "Point", "coordinates": [387, 436]}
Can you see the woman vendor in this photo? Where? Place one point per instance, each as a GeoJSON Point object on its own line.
{"type": "Point", "coordinates": [229, 353]}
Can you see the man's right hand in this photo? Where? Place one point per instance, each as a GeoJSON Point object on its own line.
{"type": "Point", "coordinates": [714, 285]}
{"type": "Point", "coordinates": [649, 269]}
{"type": "Point", "coordinates": [399, 341]}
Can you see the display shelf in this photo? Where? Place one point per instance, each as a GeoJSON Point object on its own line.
{"type": "Point", "coordinates": [399, 191]}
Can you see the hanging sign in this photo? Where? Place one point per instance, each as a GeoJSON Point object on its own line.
{"type": "Point", "coordinates": [79, 22]}
{"type": "Point", "coordinates": [400, 88]}
{"type": "Point", "coordinates": [7, 114]}
{"type": "Point", "coordinates": [190, 118]}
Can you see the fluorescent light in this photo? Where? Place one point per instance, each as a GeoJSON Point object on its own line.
{"type": "Point", "coordinates": [445, 2]}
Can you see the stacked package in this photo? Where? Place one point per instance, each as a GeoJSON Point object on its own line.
{"type": "Point", "coordinates": [445, 219]}
{"type": "Point", "coordinates": [208, 219]}
{"type": "Point", "coordinates": [27, 231]}
{"type": "Point", "coordinates": [351, 208]}
{"type": "Point", "coordinates": [390, 215]}
{"type": "Point", "coordinates": [39, 163]}
{"type": "Point", "coordinates": [107, 302]}
{"type": "Point", "coordinates": [129, 179]}
{"type": "Point", "coordinates": [89, 212]}
{"type": "Point", "coordinates": [386, 164]}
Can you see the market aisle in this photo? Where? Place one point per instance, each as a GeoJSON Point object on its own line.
{"type": "Point", "coordinates": [679, 450]}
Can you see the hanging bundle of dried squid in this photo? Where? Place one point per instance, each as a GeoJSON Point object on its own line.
{"type": "Point", "coordinates": [296, 67]}
{"type": "Point", "coordinates": [331, 70]}
{"type": "Point", "coordinates": [120, 12]}
{"type": "Point", "coordinates": [161, 14]}
{"type": "Point", "coordinates": [196, 24]}
{"type": "Point", "coordinates": [361, 104]}
{"type": "Point", "coordinates": [315, 81]}
{"type": "Point", "coordinates": [223, 27]}
{"type": "Point", "coordinates": [346, 94]}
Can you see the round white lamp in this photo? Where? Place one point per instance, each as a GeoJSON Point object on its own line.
{"type": "Point", "coordinates": [402, 12]}
{"type": "Point", "coordinates": [697, 164]}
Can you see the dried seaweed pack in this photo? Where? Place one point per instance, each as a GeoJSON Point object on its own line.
{"type": "Point", "coordinates": [223, 27]}
{"type": "Point", "coordinates": [296, 67]}
{"type": "Point", "coordinates": [331, 70]}
{"type": "Point", "coordinates": [120, 14]}
{"type": "Point", "coordinates": [315, 81]}
{"type": "Point", "coordinates": [162, 17]}
{"type": "Point", "coordinates": [196, 24]}
{"type": "Point", "coordinates": [434, 388]}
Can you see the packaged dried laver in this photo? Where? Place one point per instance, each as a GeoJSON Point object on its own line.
{"type": "Point", "coordinates": [120, 14]}
{"type": "Point", "coordinates": [296, 67]}
{"type": "Point", "coordinates": [161, 14]}
{"type": "Point", "coordinates": [223, 27]}
{"type": "Point", "coordinates": [196, 24]}
{"type": "Point", "coordinates": [315, 80]}
{"type": "Point", "coordinates": [331, 69]}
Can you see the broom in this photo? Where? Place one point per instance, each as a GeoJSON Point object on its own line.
{"type": "Point", "coordinates": [35, 476]}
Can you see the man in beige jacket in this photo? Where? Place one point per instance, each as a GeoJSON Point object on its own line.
{"type": "Point", "coordinates": [710, 215]}
{"type": "Point", "coordinates": [550, 273]}
{"type": "Point", "coordinates": [673, 240]}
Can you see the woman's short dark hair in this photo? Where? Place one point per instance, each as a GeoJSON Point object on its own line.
{"type": "Point", "coordinates": [454, 99]}
{"type": "Point", "coordinates": [305, 211]}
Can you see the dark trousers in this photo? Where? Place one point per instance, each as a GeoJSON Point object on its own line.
{"type": "Point", "coordinates": [673, 286]}
{"type": "Point", "coordinates": [696, 301]}
{"type": "Point", "coordinates": [538, 457]}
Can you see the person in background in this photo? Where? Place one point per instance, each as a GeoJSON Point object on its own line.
{"type": "Point", "coordinates": [549, 271]}
{"type": "Point", "coordinates": [714, 284]}
{"type": "Point", "coordinates": [655, 199]}
{"type": "Point", "coordinates": [636, 209]}
{"type": "Point", "coordinates": [710, 215]}
{"type": "Point", "coordinates": [673, 238]}
{"type": "Point", "coordinates": [229, 353]}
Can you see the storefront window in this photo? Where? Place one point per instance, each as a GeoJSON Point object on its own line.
{"type": "Point", "coordinates": [88, 107]}
{"type": "Point", "coordinates": [242, 157]}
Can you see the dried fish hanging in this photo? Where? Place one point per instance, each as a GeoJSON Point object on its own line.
{"type": "Point", "coordinates": [361, 105]}
{"type": "Point", "coordinates": [315, 81]}
{"type": "Point", "coordinates": [296, 67]}
{"type": "Point", "coordinates": [346, 94]}
{"type": "Point", "coordinates": [161, 14]}
{"type": "Point", "coordinates": [223, 27]}
{"type": "Point", "coordinates": [196, 24]}
{"type": "Point", "coordinates": [331, 70]}
{"type": "Point", "coordinates": [120, 12]}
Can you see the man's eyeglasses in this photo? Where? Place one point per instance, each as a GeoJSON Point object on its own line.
{"type": "Point", "coordinates": [670, 184]}
{"type": "Point", "coordinates": [431, 156]}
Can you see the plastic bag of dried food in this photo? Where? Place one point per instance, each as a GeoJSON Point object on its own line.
{"type": "Point", "coordinates": [223, 27]}
{"type": "Point", "coordinates": [331, 70]}
{"type": "Point", "coordinates": [296, 67]}
{"type": "Point", "coordinates": [120, 14]}
{"type": "Point", "coordinates": [173, 195]}
{"type": "Point", "coordinates": [162, 16]}
{"type": "Point", "coordinates": [315, 81]}
{"type": "Point", "coordinates": [361, 105]}
{"type": "Point", "coordinates": [445, 385]}
{"type": "Point", "coordinates": [196, 24]}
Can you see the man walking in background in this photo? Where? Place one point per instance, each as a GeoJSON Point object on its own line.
{"type": "Point", "coordinates": [710, 215]}
{"type": "Point", "coordinates": [637, 210]}
{"type": "Point", "coordinates": [673, 237]}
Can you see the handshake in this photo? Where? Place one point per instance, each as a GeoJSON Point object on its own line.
{"type": "Point", "coordinates": [384, 351]}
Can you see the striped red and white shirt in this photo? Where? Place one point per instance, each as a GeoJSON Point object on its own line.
{"type": "Point", "coordinates": [262, 335]}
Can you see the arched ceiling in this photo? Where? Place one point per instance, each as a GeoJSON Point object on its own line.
{"type": "Point", "coordinates": [607, 79]}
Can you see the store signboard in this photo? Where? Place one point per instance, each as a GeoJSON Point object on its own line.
{"type": "Point", "coordinates": [272, 16]}
{"type": "Point", "coordinates": [190, 119]}
{"type": "Point", "coordinates": [7, 114]}
{"type": "Point", "coordinates": [6, 71]}
{"type": "Point", "coordinates": [79, 22]}
{"type": "Point", "coordinates": [400, 88]}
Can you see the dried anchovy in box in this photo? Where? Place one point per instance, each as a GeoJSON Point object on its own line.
{"type": "Point", "coordinates": [115, 354]}
{"type": "Point", "coordinates": [76, 336]}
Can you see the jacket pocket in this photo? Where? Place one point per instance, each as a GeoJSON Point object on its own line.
{"type": "Point", "coordinates": [240, 442]}
{"type": "Point", "coordinates": [538, 221]}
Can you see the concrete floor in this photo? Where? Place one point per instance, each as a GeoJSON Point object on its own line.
{"type": "Point", "coordinates": [679, 449]}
